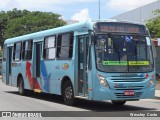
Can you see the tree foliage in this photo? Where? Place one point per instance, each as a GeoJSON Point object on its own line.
{"type": "Point", "coordinates": [20, 22]}
{"type": "Point", "coordinates": [154, 24]}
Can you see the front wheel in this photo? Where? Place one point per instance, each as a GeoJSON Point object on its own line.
{"type": "Point", "coordinates": [118, 103]}
{"type": "Point", "coordinates": [21, 89]}
{"type": "Point", "coordinates": [68, 94]}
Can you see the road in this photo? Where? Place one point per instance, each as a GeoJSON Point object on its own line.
{"type": "Point", "coordinates": [10, 100]}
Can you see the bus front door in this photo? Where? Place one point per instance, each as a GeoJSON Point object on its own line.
{"type": "Point", "coordinates": [83, 43]}
{"type": "Point", "coordinates": [9, 66]}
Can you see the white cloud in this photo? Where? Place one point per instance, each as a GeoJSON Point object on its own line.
{"type": "Point", "coordinates": [126, 5]}
{"type": "Point", "coordinates": [81, 15]}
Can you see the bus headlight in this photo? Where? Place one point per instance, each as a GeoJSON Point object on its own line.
{"type": "Point", "coordinates": [151, 81]}
{"type": "Point", "coordinates": [102, 81]}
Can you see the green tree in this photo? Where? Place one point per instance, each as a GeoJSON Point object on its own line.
{"type": "Point", "coordinates": [20, 22]}
{"type": "Point", "coordinates": [15, 23]}
{"type": "Point", "coordinates": [154, 24]}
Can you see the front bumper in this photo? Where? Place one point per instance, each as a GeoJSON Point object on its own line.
{"type": "Point", "coordinates": [113, 94]}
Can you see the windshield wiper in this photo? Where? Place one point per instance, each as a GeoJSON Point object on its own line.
{"type": "Point", "coordinates": [136, 51]}
{"type": "Point", "coordinates": [115, 46]}
{"type": "Point", "coordinates": [137, 42]}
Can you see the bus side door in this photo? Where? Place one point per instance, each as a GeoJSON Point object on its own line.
{"type": "Point", "coordinates": [4, 64]}
{"type": "Point", "coordinates": [37, 54]}
{"type": "Point", "coordinates": [83, 43]}
{"type": "Point", "coordinates": [9, 66]}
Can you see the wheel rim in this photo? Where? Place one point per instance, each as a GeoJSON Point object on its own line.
{"type": "Point", "coordinates": [20, 87]}
{"type": "Point", "coordinates": [68, 93]}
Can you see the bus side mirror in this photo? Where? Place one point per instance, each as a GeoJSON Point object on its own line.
{"type": "Point", "coordinates": [93, 37]}
{"type": "Point", "coordinates": [93, 40]}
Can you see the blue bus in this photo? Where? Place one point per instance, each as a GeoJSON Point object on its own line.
{"type": "Point", "coordinates": [100, 60]}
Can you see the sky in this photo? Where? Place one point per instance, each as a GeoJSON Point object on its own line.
{"type": "Point", "coordinates": [77, 10]}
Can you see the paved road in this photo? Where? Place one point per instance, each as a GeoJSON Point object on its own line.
{"type": "Point", "coordinates": [10, 100]}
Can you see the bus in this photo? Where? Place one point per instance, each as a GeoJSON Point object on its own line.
{"type": "Point", "coordinates": [93, 60]}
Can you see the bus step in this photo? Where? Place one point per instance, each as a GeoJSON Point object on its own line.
{"type": "Point", "coordinates": [37, 90]}
{"type": "Point", "coordinates": [81, 97]}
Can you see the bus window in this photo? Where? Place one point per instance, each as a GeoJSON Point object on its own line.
{"type": "Point", "coordinates": [49, 47]}
{"type": "Point", "coordinates": [65, 46]}
{"type": "Point", "coordinates": [4, 52]}
{"type": "Point", "coordinates": [27, 50]}
{"type": "Point", "coordinates": [17, 51]}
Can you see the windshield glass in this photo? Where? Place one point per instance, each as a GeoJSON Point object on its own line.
{"type": "Point", "coordinates": [123, 53]}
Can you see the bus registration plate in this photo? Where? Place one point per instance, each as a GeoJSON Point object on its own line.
{"type": "Point", "coordinates": [129, 93]}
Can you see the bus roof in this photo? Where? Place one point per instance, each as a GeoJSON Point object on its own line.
{"type": "Point", "coordinates": [68, 28]}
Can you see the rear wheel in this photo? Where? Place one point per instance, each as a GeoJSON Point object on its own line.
{"type": "Point", "coordinates": [118, 103]}
{"type": "Point", "coordinates": [68, 94]}
{"type": "Point", "coordinates": [21, 89]}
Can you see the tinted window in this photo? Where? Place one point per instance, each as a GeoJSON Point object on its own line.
{"type": "Point", "coordinates": [4, 52]}
{"type": "Point", "coordinates": [17, 51]}
{"type": "Point", "coordinates": [65, 46]}
{"type": "Point", "coordinates": [27, 50]}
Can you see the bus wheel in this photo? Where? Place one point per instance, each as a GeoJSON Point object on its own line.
{"type": "Point", "coordinates": [118, 103]}
{"type": "Point", "coordinates": [68, 94]}
{"type": "Point", "coordinates": [21, 86]}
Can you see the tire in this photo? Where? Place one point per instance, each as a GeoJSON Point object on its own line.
{"type": "Point", "coordinates": [21, 89]}
{"type": "Point", "coordinates": [118, 103]}
{"type": "Point", "coordinates": [68, 93]}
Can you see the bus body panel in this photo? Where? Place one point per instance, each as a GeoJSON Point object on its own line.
{"type": "Point", "coordinates": [4, 72]}
{"type": "Point", "coordinates": [55, 73]}
{"type": "Point", "coordinates": [22, 67]}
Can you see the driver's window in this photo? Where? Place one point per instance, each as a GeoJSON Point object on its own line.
{"type": "Point", "coordinates": [101, 48]}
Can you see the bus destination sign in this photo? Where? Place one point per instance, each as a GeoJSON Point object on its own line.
{"type": "Point", "coordinates": [121, 27]}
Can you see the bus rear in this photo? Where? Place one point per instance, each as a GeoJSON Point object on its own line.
{"type": "Point", "coordinates": [124, 62]}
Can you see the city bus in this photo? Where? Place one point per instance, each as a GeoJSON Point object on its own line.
{"type": "Point", "coordinates": [93, 60]}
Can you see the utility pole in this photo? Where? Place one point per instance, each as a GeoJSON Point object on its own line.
{"type": "Point", "coordinates": [99, 9]}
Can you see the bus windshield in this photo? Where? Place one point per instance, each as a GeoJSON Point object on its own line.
{"type": "Point", "coordinates": [123, 53]}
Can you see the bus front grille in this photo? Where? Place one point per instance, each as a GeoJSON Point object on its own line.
{"type": "Point", "coordinates": [129, 87]}
{"type": "Point", "coordinates": [127, 79]}
{"type": "Point", "coordinates": [121, 95]}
